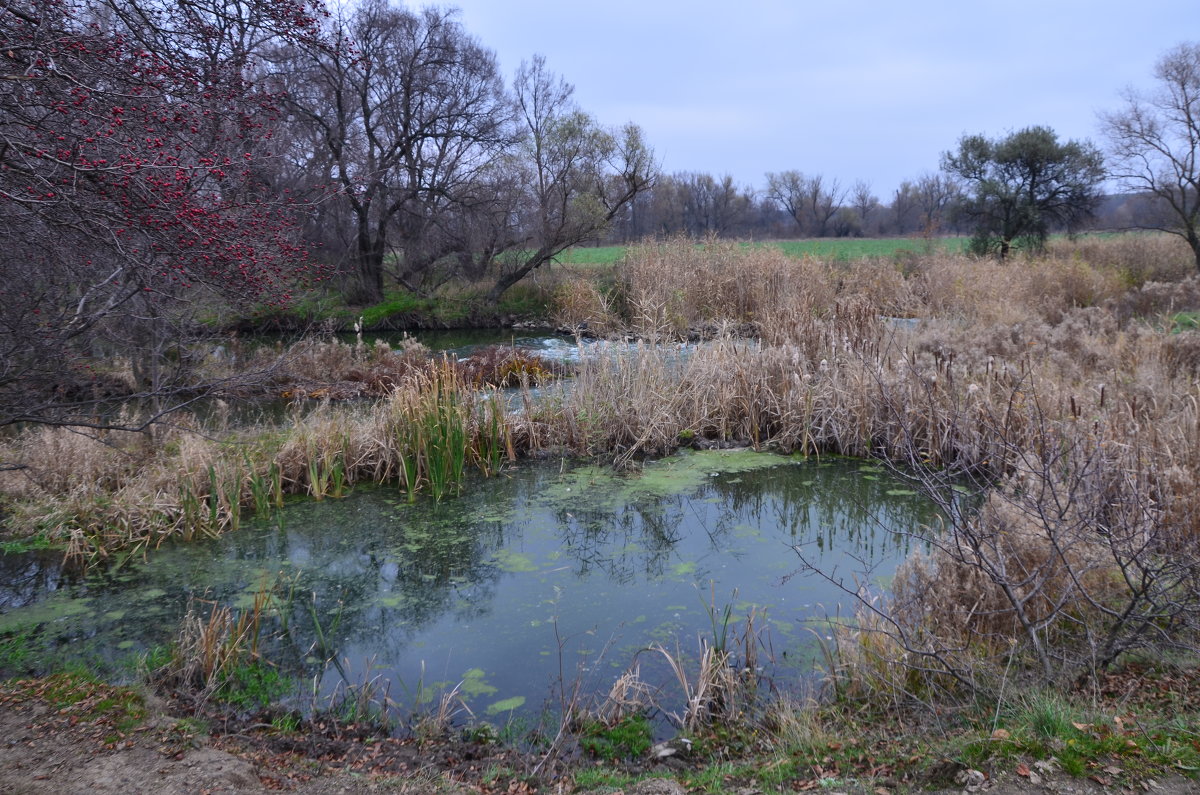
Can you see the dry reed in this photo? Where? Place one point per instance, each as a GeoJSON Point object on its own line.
{"type": "Point", "coordinates": [1050, 380]}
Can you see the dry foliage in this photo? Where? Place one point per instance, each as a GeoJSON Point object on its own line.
{"type": "Point", "coordinates": [1054, 384]}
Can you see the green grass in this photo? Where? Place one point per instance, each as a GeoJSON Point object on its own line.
{"type": "Point", "coordinates": [87, 697]}
{"type": "Point", "coordinates": [626, 739]}
{"type": "Point", "coordinates": [845, 249]}
{"type": "Point", "coordinates": [1184, 321]}
{"type": "Point", "coordinates": [16, 650]}
{"type": "Point", "coordinates": [254, 685]}
{"type": "Point", "coordinates": [604, 779]}
{"type": "Point", "coordinates": [16, 546]}
{"type": "Point", "coordinates": [399, 308]}
{"type": "Point", "coordinates": [1083, 740]}
{"type": "Point", "coordinates": [860, 747]}
{"type": "Point", "coordinates": [592, 255]}
{"type": "Point", "coordinates": [842, 249]}
{"type": "Point", "coordinates": [396, 305]}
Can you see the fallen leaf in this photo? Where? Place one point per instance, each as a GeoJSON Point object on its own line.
{"type": "Point", "coordinates": [1023, 770]}
{"type": "Point", "coordinates": [1001, 734]}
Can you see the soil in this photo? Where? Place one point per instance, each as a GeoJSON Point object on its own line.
{"type": "Point", "coordinates": [46, 747]}
{"type": "Point", "coordinates": [80, 748]}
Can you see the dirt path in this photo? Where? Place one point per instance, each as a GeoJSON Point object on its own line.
{"type": "Point", "coordinates": [69, 751]}
{"type": "Point", "coordinates": [81, 749]}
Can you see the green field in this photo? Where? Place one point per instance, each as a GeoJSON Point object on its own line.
{"type": "Point", "coordinates": [852, 248]}
{"type": "Point", "coordinates": [843, 248]}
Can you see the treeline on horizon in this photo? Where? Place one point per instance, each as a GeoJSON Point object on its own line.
{"type": "Point", "coordinates": [258, 147]}
{"type": "Point", "coordinates": [167, 166]}
{"type": "Point", "coordinates": [698, 204]}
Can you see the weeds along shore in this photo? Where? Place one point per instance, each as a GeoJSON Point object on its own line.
{"type": "Point", "coordinates": [1063, 386]}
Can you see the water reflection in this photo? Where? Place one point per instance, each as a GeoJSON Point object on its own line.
{"type": "Point", "coordinates": [26, 578]}
{"type": "Point", "coordinates": [549, 565]}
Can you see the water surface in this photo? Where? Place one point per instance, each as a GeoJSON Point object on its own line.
{"type": "Point", "coordinates": [550, 573]}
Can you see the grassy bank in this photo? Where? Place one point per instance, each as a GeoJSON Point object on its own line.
{"type": "Point", "coordinates": [458, 306]}
{"type": "Point", "coordinates": [1136, 733]}
{"type": "Point", "coordinates": [453, 306]}
{"type": "Point", "coordinates": [834, 249]}
{"type": "Point", "coordinates": [1064, 387]}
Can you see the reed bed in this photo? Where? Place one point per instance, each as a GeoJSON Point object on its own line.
{"type": "Point", "coordinates": [1052, 385]}
{"type": "Point", "coordinates": [131, 493]}
{"type": "Point", "coordinates": [1057, 385]}
{"type": "Point", "coordinates": [323, 367]}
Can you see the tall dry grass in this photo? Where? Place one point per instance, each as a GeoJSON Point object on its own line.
{"type": "Point", "coordinates": [1138, 257]}
{"type": "Point", "coordinates": [1054, 383]}
{"type": "Point", "coordinates": [119, 492]}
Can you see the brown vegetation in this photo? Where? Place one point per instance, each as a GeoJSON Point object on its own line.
{"type": "Point", "coordinates": [1054, 384]}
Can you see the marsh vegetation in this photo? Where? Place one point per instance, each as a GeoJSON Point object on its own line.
{"type": "Point", "coordinates": [1060, 389]}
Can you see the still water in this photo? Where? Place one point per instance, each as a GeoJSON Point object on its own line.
{"type": "Point", "coordinates": [552, 571]}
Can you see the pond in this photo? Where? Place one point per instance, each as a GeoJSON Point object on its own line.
{"type": "Point", "coordinates": [463, 342]}
{"type": "Point", "coordinates": [552, 573]}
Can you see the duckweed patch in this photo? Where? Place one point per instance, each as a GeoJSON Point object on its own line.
{"type": "Point", "coordinates": [553, 567]}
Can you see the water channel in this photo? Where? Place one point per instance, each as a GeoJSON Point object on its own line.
{"type": "Point", "coordinates": [554, 570]}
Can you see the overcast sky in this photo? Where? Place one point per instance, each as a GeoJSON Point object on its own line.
{"type": "Point", "coordinates": [872, 90]}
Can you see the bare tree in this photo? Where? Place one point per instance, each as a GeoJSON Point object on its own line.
{"type": "Point", "coordinates": [864, 202]}
{"type": "Point", "coordinates": [810, 201]}
{"type": "Point", "coordinates": [667, 206]}
{"type": "Point", "coordinates": [1155, 144]}
{"type": "Point", "coordinates": [408, 111]}
{"type": "Point", "coordinates": [711, 206]}
{"type": "Point", "coordinates": [567, 180]}
{"type": "Point", "coordinates": [904, 208]}
{"type": "Point", "coordinates": [935, 194]}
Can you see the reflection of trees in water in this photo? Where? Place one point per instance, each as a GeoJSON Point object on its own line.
{"type": "Point", "coordinates": [372, 571]}
{"type": "Point", "coordinates": [390, 582]}
{"type": "Point", "coordinates": [380, 571]}
{"type": "Point", "coordinates": [830, 505]}
{"type": "Point", "coordinates": [623, 543]}
{"type": "Point", "coordinates": [27, 577]}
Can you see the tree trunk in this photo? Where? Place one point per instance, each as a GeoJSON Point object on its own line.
{"type": "Point", "coordinates": [367, 281]}
{"type": "Point", "coordinates": [503, 283]}
{"type": "Point", "coordinates": [506, 280]}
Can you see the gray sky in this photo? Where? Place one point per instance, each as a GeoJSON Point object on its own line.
{"type": "Point", "coordinates": [872, 90]}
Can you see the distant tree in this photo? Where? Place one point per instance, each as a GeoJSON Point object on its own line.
{"type": "Point", "coordinates": [1155, 145]}
{"type": "Point", "coordinates": [664, 207]}
{"type": "Point", "coordinates": [864, 202]}
{"type": "Point", "coordinates": [904, 208]}
{"type": "Point", "coordinates": [709, 205]}
{"type": "Point", "coordinates": [846, 222]}
{"type": "Point", "coordinates": [935, 195]}
{"type": "Point", "coordinates": [1023, 185]}
{"type": "Point", "coordinates": [809, 200]}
